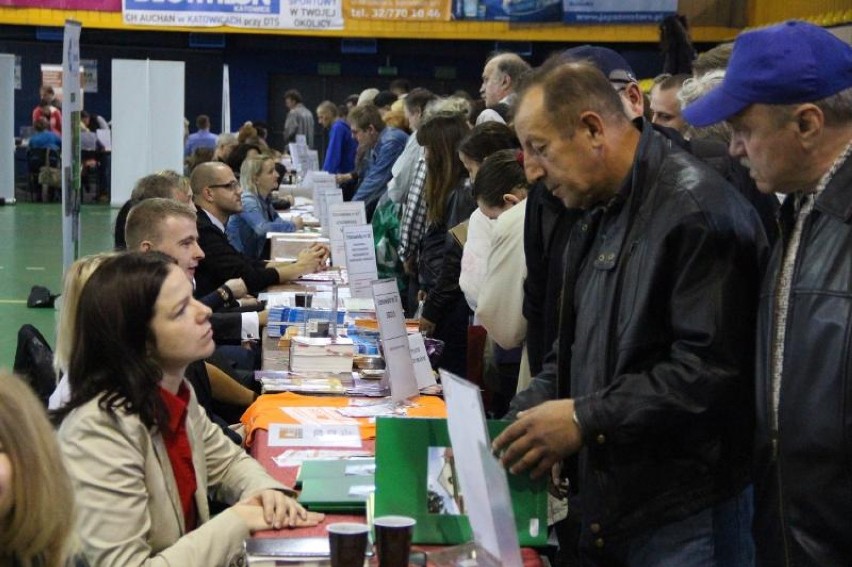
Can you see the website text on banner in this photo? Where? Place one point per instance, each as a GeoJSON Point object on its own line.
{"type": "Point", "coordinates": [597, 12]}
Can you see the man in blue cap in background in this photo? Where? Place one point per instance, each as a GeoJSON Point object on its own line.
{"type": "Point", "coordinates": [787, 95]}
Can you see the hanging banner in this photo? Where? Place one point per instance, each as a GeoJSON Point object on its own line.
{"type": "Point", "coordinates": [93, 5]}
{"type": "Point", "coordinates": [617, 11]}
{"type": "Point", "coordinates": [72, 104]}
{"type": "Point", "coordinates": [226, 99]}
{"type": "Point", "coordinates": [508, 10]}
{"type": "Point", "coordinates": [400, 10]}
{"type": "Point", "coordinates": [257, 14]}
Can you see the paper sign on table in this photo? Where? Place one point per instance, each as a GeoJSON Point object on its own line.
{"type": "Point", "coordinates": [321, 183]}
{"type": "Point", "coordinates": [399, 369]}
{"type": "Point", "coordinates": [360, 259]}
{"type": "Point", "coordinates": [483, 480]}
{"type": "Point", "coordinates": [422, 367]}
{"type": "Point", "coordinates": [313, 435]}
{"type": "Point", "coordinates": [329, 197]}
{"type": "Point", "coordinates": [341, 215]}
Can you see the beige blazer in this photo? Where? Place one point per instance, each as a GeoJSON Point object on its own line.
{"type": "Point", "coordinates": [128, 510]}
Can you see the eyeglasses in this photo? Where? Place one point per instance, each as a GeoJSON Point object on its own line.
{"type": "Point", "coordinates": [232, 185]}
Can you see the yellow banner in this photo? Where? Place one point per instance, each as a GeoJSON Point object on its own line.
{"type": "Point", "coordinates": [400, 10]}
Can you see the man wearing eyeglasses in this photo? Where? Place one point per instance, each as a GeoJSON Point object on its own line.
{"type": "Point", "coordinates": [217, 196]}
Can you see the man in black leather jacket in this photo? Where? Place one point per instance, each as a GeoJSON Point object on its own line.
{"type": "Point", "coordinates": [787, 95]}
{"type": "Point", "coordinates": [649, 386]}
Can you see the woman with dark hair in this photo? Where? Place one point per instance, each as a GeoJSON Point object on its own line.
{"type": "Point", "coordinates": [483, 140]}
{"type": "Point", "coordinates": [500, 189]}
{"type": "Point", "coordinates": [141, 452]}
{"type": "Point", "coordinates": [448, 203]}
{"type": "Point", "coordinates": [238, 155]}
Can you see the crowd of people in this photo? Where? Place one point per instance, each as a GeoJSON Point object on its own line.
{"type": "Point", "coordinates": [665, 285]}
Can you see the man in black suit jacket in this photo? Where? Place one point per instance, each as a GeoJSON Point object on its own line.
{"type": "Point", "coordinates": [217, 196]}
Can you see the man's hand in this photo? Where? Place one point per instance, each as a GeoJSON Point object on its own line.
{"type": "Point", "coordinates": [427, 327]}
{"type": "Point", "coordinates": [316, 257]}
{"type": "Point", "coordinates": [249, 301]}
{"type": "Point", "coordinates": [410, 266]}
{"type": "Point", "coordinates": [263, 317]}
{"type": "Point", "coordinates": [237, 287]}
{"type": "Point", "coordinates": [298, 223]}
{"type": "Point", "coordinates": [540, 438]}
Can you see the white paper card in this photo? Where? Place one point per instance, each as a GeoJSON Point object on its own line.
{"type": "Point", "coordinates": [322, 183]}
{"type": "Point", "coordinates": [399, 370]}
{"type": "Point", "coordinates": [339, 216]}
{"type": "Point", "coordinates": [313, 160]}
{"type": "Point", "coordinates": [329, 197]}
{"type": "Point", "coordinates": [295, 457]}
{"type": "Point", "coordinates": [360, 259]}
{"type": "Point", "coordinates": [422, 367]}
{"type": "Point", "coordinates": [469, 438]}
{"type": "Point", "coordinates": [313, 435]}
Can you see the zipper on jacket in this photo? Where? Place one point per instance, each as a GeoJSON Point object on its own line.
{"type": "Point", "coordinates": [784, 540]}
{"type": "Point", "coordinates": [775, 416]}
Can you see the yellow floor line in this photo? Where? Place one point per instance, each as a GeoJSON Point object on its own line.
{"type": "Point", "coordinates": [13, 301]}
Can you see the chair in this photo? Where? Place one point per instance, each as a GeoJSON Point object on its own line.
{"type": "Point", "coordinates": [34, 362]}
{"type": "Point", "coordinates": [36, 159]}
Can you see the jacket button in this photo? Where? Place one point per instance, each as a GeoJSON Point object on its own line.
{"type": "Point", "coordinates": [584, 227]}
{"type": "Point", "coordinates": [596, 528]}
{"type": "Point", "coordinates": [599, 543]}
{"type": "Point", "coordinates": [601, 258]}
{"type": "Point", "coordinates": [601, 438]}
{"type": "Point", "coordinates": [610, 256]}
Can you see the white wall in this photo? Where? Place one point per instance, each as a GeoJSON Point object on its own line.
{"type": "Point", "coordinates": [7, 127]}
{"type": "Point", "coordinates": [147, 121]}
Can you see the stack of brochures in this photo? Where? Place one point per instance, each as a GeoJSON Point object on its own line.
{"type": "Point", "coordinates": [321, 354]}
{"type": "Point", "coordinates": [306, 383]}
{"type": "Point", "coordinates": [282, 317]}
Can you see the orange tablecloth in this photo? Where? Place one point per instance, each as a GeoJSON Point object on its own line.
{"type": "Point", "coordinates": [267, 410]}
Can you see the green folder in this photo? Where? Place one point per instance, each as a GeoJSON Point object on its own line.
{"type": "Point", "coordinates": [405, 483]}
{"type": "Point", "coordinates": [325, 486]}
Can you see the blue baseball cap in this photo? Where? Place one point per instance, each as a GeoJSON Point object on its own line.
{"type": "Point", "coordinates": [609, 62]}
{"type": "Point", "coordinates": [788, 63]}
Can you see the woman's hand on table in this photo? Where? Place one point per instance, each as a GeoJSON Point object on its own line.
{"type": "Point", "coordinates": [298, 223]}
{"type": "Point", "coordinates": [272, 509]}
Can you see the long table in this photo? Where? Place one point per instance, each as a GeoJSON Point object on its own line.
{"type": "Point", "coordinates": [274, 359]}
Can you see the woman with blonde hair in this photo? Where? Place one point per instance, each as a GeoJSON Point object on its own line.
{"type": "Point", "coordinates": [75, 278]}
{"type": "Point", "coordinates": [36, 499]}
{"type": "Point", "coordinates": [247, 229]}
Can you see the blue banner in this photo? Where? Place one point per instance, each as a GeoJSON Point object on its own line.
{"type": "Point", "coordinates": [207, 6]}
{"type": "Point", "coordinates": [508, 10]}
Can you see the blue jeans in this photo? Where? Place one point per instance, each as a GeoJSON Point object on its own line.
{"type": "Point", "coordinates": [719, 536]}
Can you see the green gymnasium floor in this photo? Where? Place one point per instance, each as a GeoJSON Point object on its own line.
{"type": "Point", "coordinates": [31, 254]}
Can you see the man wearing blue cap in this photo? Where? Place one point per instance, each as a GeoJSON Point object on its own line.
{"type": "Point", "coordinates": [647, 391]}
{"type": "Point", "coordinates": [787, 95]}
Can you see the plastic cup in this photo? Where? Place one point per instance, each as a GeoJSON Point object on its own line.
{"type": "Point", "coordinates": [393, 540]}
{"type": "Point", "coordinates": [347, 543]}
